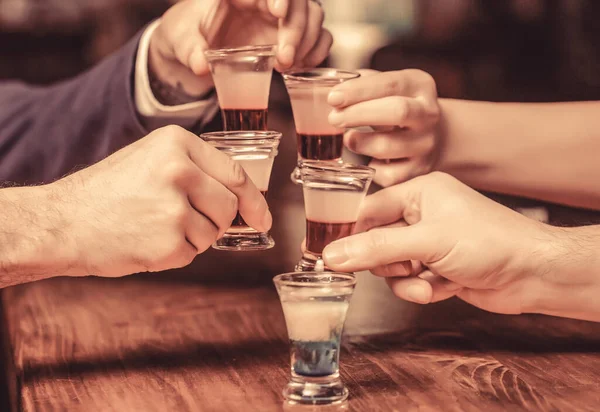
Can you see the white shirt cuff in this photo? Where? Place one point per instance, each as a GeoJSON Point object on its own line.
{"type": "Point", "coordinates": [157, 114]}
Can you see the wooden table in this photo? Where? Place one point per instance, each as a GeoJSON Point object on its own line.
{"type": "Point", "coordinates": [212, 337]}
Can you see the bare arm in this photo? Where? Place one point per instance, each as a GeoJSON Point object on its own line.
{"type": "Point", "coordinates": [571, 284]}
{"type": "Point", "coordinates": [33, 242]}
{"type": "Point", "coordinates": [433, 237]}
{"type": "Point", "coordinates": [124, 215]}
{"type": "Point", "coordinates": [546, 151]}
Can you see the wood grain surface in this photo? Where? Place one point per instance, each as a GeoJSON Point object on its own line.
{"type": "Point", "coordinates": [211, 337]}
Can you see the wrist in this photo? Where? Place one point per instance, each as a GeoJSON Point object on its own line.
{"type": "Point", "coordinates": [461, 151]}
{"type": "Point", "coordinates": [37, 244]}
{"type": "Point", "coordinates": [171, 82]}
{"type": "Point", "coordinates": [567, 278]}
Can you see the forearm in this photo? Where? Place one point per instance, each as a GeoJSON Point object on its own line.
{"type": "Point", "coordinates": [34, 243]}
{"type": "Point", "coordinates": [544, 151]}
{"type": "Point", "coordinates": [569, 283]}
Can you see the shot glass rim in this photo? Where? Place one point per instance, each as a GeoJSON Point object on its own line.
{"type": "Point", "coordinates": [239, 136]}
{"type": "Point", "coordinates": [315, 166]}
{"type": "Point", "coordinates": [296, 75]}
{"type": "Point", "coordinates": [349, 280]}
{"type": "Point", "coordinates": [266, 50]}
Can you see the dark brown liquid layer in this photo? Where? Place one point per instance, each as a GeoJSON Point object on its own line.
{"type": "Point", "coordinates": [239, 222]}
{"type": "Point", "coordinates": [320, 146]}
{"type": "Point", "coordinates": [244, 119]}
{"type": "Point", "coordinates": [319, 235]}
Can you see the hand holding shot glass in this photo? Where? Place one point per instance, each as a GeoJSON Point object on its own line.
{"type": "Point", "coordinates": [314, 306]}
{"type": "Point", "coordinates": [242, 78]}
{"type": "Point", "coordinates": [333, 194]}
{"type": "Point", "coordinates": [308, 90]}
{"type": "Point", "coordinates": [255, 151]}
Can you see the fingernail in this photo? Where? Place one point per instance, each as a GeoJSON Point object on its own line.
{"type": "Point", "coordinates": [267, 221]}
{"type": "Point", "coordinates": [276, 4]}
{"type": "Point", "coordinates": [417, 294]}
{"type": "Point", "coordinates": [335, 118]}
{"type": "Point", "coordinates": [335, 98]}
{"type": "Point", "coordinates": [335, 254]}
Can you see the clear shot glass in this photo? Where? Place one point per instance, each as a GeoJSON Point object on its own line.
{"type": "Point", "coordinates": [315, 305]}
{"type": "Point", "coordinates": [333, 194]}
{"type": "Point", "coordinates": [308, 90]}
{"type": "Point", "coordinates": [242, 78]}
{"type": "Point", "coordinates": [255, 151]}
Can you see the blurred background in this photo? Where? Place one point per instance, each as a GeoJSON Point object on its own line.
{"type": "Point", "coordinates": [522, 50]}
{"type": "Point", "coordinates": [497, 50]}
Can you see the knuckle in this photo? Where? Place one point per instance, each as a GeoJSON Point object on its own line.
{"type": "Point", "coordinates": [386, 177]}
{"type": "Point", "coordinates": [178, 215]}
{"type": "Point", "coordinates": [393, 83]}
{"type": "Point", "coordinates": [230, 209]}
{"type": "Point", "coordinates": [189, 255]}
{"type": "Point", "coordinates": [428, 143]}
{"type": "Point", "coordinates": [169, 255]}
{"type": "Point", "coordinates": [328, 38]}
{"type": "Point", "coordinates": [377, 239]}
{"type": "Point", "coordinates": [172, 136]}
{"type": "Point", "coordinates": [183, 253]}
{"type": "Point", "coordinates": [379, 147]}
{"type": "Point", "coordinates": [176, 172]}
{"type": "Point", "coordinates": [237, 176]}
{"type": "Point", "coordinates": [381, 271]}
{"type": "Point", "coordinates": [439, 178]}
{"type": "Point", "coordinates": [208, 238]}
{"type": "Point", "coordinates": [397, 81]}
{"type": "Point", "coordinates": [317, 12]}
{"type": "Point", "coordinates": [173, 131]}
{"type": "Point", "coordinates": [427, 83]}
{"type": "Point", "coordinates": [399, 110]}
{"type": "Point", "coordinates": [433, 111]}
{"type": "Point", "coordinates": [183, 51]}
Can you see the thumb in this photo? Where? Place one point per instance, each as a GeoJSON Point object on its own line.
{"type": "Point", "coordinates": [197, 60]}
{"type": "Point", "coordinates": [278, 8]}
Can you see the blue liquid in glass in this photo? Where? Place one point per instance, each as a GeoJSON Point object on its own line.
{"type": "Point", "coordinates": [315, 358]}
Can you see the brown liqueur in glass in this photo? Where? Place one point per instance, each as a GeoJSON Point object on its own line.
{"type": "Point", "coordinates": [320, 146]}
{"type": "Point", "coordinates": [244, 119]}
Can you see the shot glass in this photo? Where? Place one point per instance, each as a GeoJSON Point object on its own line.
{"type": "Point", "coordinates": [314, 306]}
{"type": "Point", "coordinates": [242, 79]}
{"type": "Point", "coordinates": [333, 194]}
{"type": "Point", "coordinates": [255, 151]}
{"type": "Point", "coordinates": [308, 90]}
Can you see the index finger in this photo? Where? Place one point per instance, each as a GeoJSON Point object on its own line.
{"type": "Point", "coordinates": [380, 247]}
{"type": "Point", "coordinates": [291, 31]}
{"type": "Point", "coordinates": [251, 203]}
{"type": "Point", "coordinates": [397, 83]}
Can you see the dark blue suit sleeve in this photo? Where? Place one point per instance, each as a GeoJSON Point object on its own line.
{"type": "Point", "coordinates": [47, 132]}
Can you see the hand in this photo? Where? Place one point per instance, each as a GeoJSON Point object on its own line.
{"type": "Point", "coordinates": [192, 26]}
{"type": "Point", "coordinates": [156, 204]}
{"type": "Point", "coordinates": [433, 238]}
{"type": "Point", "coordinates": [403, 110]}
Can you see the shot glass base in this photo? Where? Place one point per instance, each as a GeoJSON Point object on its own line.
{"type": "Point", "coordinates": [311, 263]}
{"type": "Point", "coordinates": [315, 391]}
{"type": "Point", "coordinates": [243, 242]}
{"type": "Point", "coordinates": [295, 177]}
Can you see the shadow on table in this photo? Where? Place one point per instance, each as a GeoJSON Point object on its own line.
{"type": "Point", "coordinates": [212, 355]}
{"type": "Point", "coordinates": [510, 338]}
